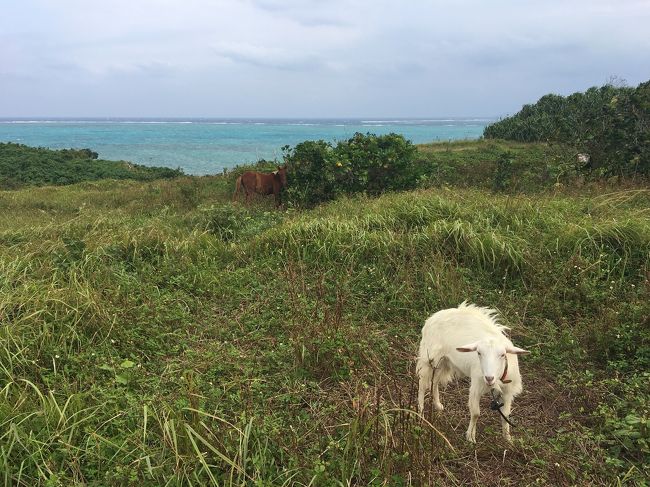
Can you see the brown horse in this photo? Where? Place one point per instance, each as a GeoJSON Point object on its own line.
{"type": "Point", "coordinates": [262, 183]}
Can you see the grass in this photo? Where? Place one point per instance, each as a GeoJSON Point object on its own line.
{"type": "Point", "coordinates": [473, 164]}
{"type": "Point", "coordinates": [155, 333]}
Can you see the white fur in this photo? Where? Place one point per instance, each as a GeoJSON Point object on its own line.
{"type": "Point", "coordinates": [473, 330]}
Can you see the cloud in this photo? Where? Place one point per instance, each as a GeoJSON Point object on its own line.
{"type": "Point", "coordinates": [311, 57]}
{"type": "Point", "coordinates": [308, 13]}
{"type": "Point", "coordinates": [513, 52]}
{"type": "Point", "coordinates": [267, 57]}
{"type": "Point", "coordinates": [157, 70]}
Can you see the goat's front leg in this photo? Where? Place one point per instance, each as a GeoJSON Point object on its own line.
{"type": "Point", "coordinates": [475, 390]}
{"type": "Point", "coordinates": [505, 427]}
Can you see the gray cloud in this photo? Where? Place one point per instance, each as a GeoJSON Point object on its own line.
{"type": "Point", "coordinates": [264, 57]}
{"type": "Point", "coordinates": [305, 13]}
{"type": "Point", "coordinates": [310, 57]}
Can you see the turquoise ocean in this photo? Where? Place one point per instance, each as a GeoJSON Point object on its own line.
{"type": "Point", "coordinates": [207, 146]}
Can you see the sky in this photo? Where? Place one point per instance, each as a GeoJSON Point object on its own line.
{"type": "Point", "coordinates": [311, 58]}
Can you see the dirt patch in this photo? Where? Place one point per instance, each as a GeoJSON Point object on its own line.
{"type": "Point", "coordinates": [547, 449]}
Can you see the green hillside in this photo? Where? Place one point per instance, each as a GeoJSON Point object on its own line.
{"type": "Point", "coordinates": [21, 166]}
{"type": "Point", "coordinates": [155, 333]}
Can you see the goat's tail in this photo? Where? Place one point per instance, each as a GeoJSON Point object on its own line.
{"type": "Point", "coordinates": [237, 188]}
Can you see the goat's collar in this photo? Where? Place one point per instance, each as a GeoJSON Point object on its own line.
{"type": "Point", "coordinates": [505, 373]}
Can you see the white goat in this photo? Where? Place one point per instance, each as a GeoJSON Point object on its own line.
{"type": "Point", "coordinates": [447, 336]}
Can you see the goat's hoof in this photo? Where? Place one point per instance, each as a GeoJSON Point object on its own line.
{"type": "Point", "coordinates": [439, 407]}
{"type": "Point", "coordinates": [470, 437]}
{"type": "Point", "coordinates": [508, 438]}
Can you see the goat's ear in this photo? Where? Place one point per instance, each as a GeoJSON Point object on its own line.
{"type": "Point", "coordinates": [279, 168]}
{"type": "Point", "coordinates": [470, 347]}
{"type": "Point", "coordinates": [516, 350]}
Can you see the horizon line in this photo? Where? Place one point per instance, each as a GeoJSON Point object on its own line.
{"type": "Point", "coordinates": [369, 118]}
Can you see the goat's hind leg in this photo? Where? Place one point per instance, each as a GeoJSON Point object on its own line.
{"type": "Point", "coordinates": [438, 372]}
{"type": "Point", "coordinates": [425, 373]}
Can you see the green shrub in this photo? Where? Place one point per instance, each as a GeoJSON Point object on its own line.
{"type": "Point", "coordinates": [609, 123]}
{"type": "Point", "coordinates": [375, 164]}
{"type": "Point", "coordinates": [371, 164]}
{"type": "Point", "coordinates": [312, 172]}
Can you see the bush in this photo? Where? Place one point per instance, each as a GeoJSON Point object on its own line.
{"type": "Point", "coordinates": [368, 163]}
{"type": "Point", "coordinates": [610, 123]}
{"type": "Point", "coordinates": [312, 173]}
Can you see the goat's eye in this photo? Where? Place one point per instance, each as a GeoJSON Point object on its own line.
{"type": "Point", "coordinates": [503, 355]}
{"type": "Point", "coordinates": [479, 353]}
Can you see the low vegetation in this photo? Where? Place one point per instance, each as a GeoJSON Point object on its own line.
{"type": "Point", "coordinates": [155, 333]}
{"type": "Point", "coordinates": [369, 164]}
{"type": "Point", "coordinates": [500, 166]}
{"type": "Point", "coordinates": [22, 166]}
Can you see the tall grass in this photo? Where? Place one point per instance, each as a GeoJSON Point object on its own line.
{"type": "Point", "coordinates": [156, 334]}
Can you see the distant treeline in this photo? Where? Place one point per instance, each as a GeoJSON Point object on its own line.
{"type": "Point", "coordinates": [21, 166]}
{"type": "Point", "coordinates": [610, 123]}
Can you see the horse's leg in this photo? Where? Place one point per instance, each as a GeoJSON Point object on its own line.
{"type": "Point", "coordinates": [237, 188]}
{"type": "Point", "coordinates": [277, 188]}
